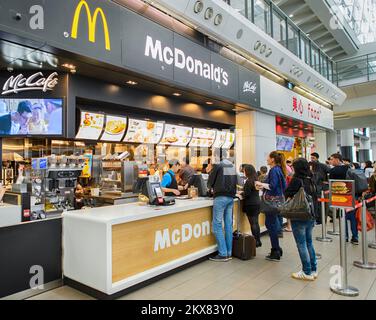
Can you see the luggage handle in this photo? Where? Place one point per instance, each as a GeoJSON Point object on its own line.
{"type": "Point", "coordinates": [238, 217]}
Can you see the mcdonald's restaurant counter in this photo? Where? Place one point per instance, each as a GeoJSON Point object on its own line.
{"type": "Point", "coordinates": [109, 250]}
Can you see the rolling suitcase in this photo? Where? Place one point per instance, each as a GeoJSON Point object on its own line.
{"type": "Point", "coordinates": [243, 245]}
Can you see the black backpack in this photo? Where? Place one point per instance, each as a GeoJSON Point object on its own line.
{"type": "Point", "coordinates": [360, 179]}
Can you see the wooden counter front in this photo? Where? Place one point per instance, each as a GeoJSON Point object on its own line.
{"type": "Point", "coordinates": [141, 245]}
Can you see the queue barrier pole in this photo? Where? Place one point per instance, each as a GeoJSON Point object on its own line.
{"type": "Point", "coordinates": [343, 288]}
{"type": "Point", "coordinates": [334, 232]}
{"type": "Point", "coordinates": [372, 245]}
{"type": "Point", "coordinates": [323, 237]}
{"type": "Point", "coordinates": [364, 264]}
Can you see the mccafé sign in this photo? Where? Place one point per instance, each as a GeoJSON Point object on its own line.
{"type": "Point", "coordinates": [35, 82]}
{"type": "Point", "coordinates": [299, 106]}
{"type": "Point", "coordinates": [177, 57]}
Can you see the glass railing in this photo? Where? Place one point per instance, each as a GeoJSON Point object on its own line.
{"type": "Point", "coordinates": [355, 70]}
{"type": "Point", "coordinates": [274, 22]}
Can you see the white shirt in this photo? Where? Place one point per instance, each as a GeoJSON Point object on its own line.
{"type": "Point", "coordinates": [368, 172]}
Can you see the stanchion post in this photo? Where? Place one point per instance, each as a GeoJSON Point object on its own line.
{"type": "Point", "coordinates": [323, 237]}
{"type": "Point", "coordinates": [372, 245]}
{"type": "Point", "coordinates": [343, 288]}
{"type": "Point", "coordinates": [364, 264]}
{"type": "Point", "coordinates": [334, 232]}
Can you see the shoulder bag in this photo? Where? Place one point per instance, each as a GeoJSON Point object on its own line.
{"type": "Point", "coordinates": [271, 204]}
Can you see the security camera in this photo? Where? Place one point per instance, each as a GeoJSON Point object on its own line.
{"type": "Point", "coordinates": [18, 16]}
{"type": "Point", "coordinates": [10, 69]}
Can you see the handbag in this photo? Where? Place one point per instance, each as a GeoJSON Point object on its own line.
{"type": "Point", "coordinates": [369, 219]}
{"type": "Point", "coordinates": [271, 204]}
{"type": "Point", "coordinates": [299, 207]}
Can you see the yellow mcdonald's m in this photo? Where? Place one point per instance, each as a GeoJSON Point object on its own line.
{"type": "Point", "coordinates": [91, 22]}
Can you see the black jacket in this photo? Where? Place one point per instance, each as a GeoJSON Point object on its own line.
{"type": "Point", "coordinates": [339, 172]}
{"type": "Point", "coordinates": [320, 174]}
{"type": "Point", "coordinates": [296, 183]}
{"type": "Point", "coordinates": [223, 179]}
{"type": "Point", "coordinates": [250, 195]}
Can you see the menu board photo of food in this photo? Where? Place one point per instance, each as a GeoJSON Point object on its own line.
{"type": "Point", "coordinates": [142, 131]}
{"type": "Point", "coordinates": [114, 129]}
{"type": "Point", "coordinates": [220, 139]}
{"type": "Point", "coordinates": [176, 135]}
{"type": "Point", "coordinates": [202, 138]}
{"type": "Point", "coordinates": [91, 126]}
{"type": "Point", "coordinates": [342, 193]}
{"type": "Point", "coordinates": [230, 139]}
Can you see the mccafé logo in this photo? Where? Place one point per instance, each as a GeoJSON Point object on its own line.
{"type": "Point", "coordinates": [180, 60]}
{"type": "Point", "coordinates": [165, 238]}
{"type": "Point", "coordinates": [313, 111]}
{"type": "Point", "coordinates": [36, 81]}
{"type": "Point", "coordinates": [91, 22]}
{"type": "Point", "coordinates": [250, 86]}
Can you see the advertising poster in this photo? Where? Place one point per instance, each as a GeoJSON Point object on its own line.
{"type": "Point", "coordinates": [86, 171]}
{"type": "Point", "coordinates": [176, 135]}
{"type": "Point", "coordinates": [91, 126]}
{"type": "Point", "coordinates": [202, 138]}
{"type": "Point", "coordinates": [230, 139]}
{"type": "Point", "coordinates": [114, 129]}
{"type": "Point", "coordinates": [141, 131]}
{"type": "Point", "coordinates": [342, 194]}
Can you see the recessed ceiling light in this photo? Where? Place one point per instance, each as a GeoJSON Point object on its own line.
{"type": "Point", "coordinates": [132, 83]}
{"type": "Point", "coordinates": [68, 66]}
{"type": "Point", "coordinates": [291, 15]}
{"type": "Point", "coordinates": [147, 119]}
{"type": "Point", "coordinates": [177, 94]}
{"type": "Point", "coordinates": [209, 102]}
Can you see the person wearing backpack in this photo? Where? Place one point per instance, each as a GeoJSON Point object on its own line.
{"type": "Point", "coordinates": [340, 171]}
{"type": "Point", "coordinates": [302, 229]}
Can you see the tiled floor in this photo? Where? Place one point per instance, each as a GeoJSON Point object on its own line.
{"type": "Point", "coordinates": [253, 279]}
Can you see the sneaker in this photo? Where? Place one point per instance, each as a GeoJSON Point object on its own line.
{"type": "Point", "coordinates": [315, 274]}
{"type": "Point", "coordinates": [274, 256]}
{"type": "Point", "coordinates": [302, 276]}
{"type": "Point", "coordinates": [219, 258]}
{"type": "Point", "coordinates": [354, 241]}
{"type": "Point", "coordinates": [229, 257]}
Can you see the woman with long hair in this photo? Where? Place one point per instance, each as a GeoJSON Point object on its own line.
{"type": "Point", "coordinates": [251, 203]}
{"type": "Point", "coordinates": [302, 229]}
{"type": "Point", "coordinates": [274, 186]}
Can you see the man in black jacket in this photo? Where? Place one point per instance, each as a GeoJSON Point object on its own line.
{"type": "Point", "coordinates": [320, 177]}
{"type": "Point", "coordinates": [223, 180]}
{"type": "Point", "coordinates": [339, 171]}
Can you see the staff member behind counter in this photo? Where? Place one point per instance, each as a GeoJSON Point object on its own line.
{"type": "Point", "coordinates": [169, 183]}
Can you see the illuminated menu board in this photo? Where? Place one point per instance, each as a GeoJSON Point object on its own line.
{"type": "Point", "coordinates": [202, 138]}
{"type": "Point", "coordinates": [141, 131]}
{"type": "Point", "coordinates": [114, 129]}
{"type": "Point", "coordinates": [220, 139]}
{"type": "Point", "coordinates": [176, 135]}
{"type": "Point", "coordinates": [230, 139]}
{"type": "Point", "coordinates": [91, 126]}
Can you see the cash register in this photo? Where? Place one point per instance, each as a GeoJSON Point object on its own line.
{"type": "Point", "coordinates": [152, 190]}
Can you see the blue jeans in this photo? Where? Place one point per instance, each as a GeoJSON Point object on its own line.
{"type": "Point", "coordinates": [273, 225]}
{"type": "Point", "coordinates": [280, 222]}
{"type": "Point", "coordinates": [302, 231]}
{"type": "Point", "coordinates": [222, 211]}
{"type": "Point", "coordinates": [350, 216]}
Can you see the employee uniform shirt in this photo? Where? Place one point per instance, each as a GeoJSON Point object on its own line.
{"type": "Point", "coordinates": [167, 179]}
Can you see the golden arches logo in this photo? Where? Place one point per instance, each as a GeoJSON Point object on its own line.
{"type": "Point", "coordinates": [91, 22]}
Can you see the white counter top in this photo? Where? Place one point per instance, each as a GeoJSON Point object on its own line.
{"type": "Point", "coordinates": [9, 214]}
{"type": "Point", "coordinates": [123, 213]}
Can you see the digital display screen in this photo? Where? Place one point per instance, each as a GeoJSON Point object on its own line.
{"type": "Point", "coordinates": [285, 143]}
{"type": "Point", "coordinates": [31, 117]}
{"type": "Point", "coordinates": [176, 135]}
{"type": "Point", "coordinates": [142, 131]}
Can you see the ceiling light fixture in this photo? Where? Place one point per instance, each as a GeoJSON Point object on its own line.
{"type": "Point", "coordinates": [68, 66]}
{"type": "Point", "coordinates": [291, 16]}
{"type": "Point", "coordinates": [132, 83]}
{"type": "Point", "coordinates": [209, 102]}
{"type": "Point", "coordinates": [176, 94]}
